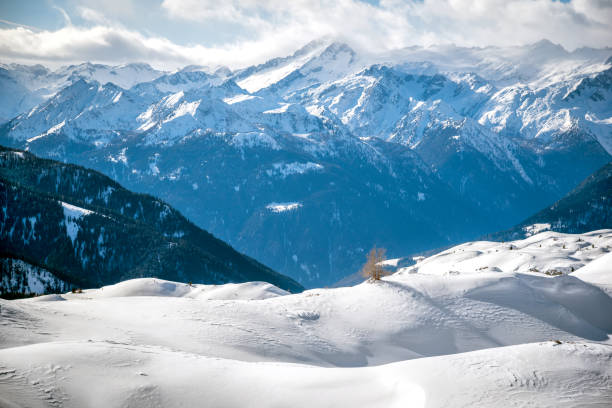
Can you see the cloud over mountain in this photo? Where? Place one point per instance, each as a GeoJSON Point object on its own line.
{"type": "Point", "coordinates": [239, 33]}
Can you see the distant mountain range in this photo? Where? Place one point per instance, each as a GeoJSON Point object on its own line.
{"type": "Point", "coordinates": [64, 226]}
{"type": "Point", "coordinates": [307, 161]}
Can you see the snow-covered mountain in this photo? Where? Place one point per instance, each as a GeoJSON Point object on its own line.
{"type": "Point", "coordinates": [313, 158]}
{"type": "Point", "coordinates": [480, 324]}
{"type": "Point", "coordinates": [38, 77]}
{"type": "Point", "coordinates": [319, 61]}
{"type": "Point", "coordinates": [23, 86]}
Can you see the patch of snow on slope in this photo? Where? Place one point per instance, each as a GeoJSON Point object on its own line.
{"type": "Point", "coordinates": [120, 158]}
{"type": "Point", "coordinates": [185, 108]}
{"type": "Point", "coordinates": [287, 169]}
{"type": "Point", "coordinates": [9, 155]}
{"type": "Point", "coordinates": [536, 229]}
{"type": "Point", "coordinates": [72, 214]}
{"type": "Point", "coordinates": [147, 118]}
{"type": "Point", "coordinates": [52, 130]}
{"type": "Point", "coordinates": [304, 136]}
{"type": "Point", "coordinates": [20, 277]}
{"type": "Point", "coordinates": [592, 118]}
{"type": "Point", "coordinates": [266, 78]}
{"type": "Point", "coordinates": [171, 100]}
{"type": "Point", "coordinates": [254, 139]}
{"type": "Point", "coordinates": [281, 109]}
{"type": "Point", "coordinates": [283, 207]}
{"type": "Point", "coordinates": [238, 98]}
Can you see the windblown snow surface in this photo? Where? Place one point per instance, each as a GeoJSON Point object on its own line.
{"type": "Point", "coordinates": [481, 324]}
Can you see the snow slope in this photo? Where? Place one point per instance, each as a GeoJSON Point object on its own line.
{"type": "Point", "coordinates": [547, 252]}
{"type": "Point", "coordinates": [421, 337]}
{"type": "Point", "coordinates": [598, 272]}
{"type": "Point", "coordinates": [106, 374]}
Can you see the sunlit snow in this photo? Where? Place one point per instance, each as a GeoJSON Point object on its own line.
{"type": "Point", "coordinates": [72, 214]}
{"type": "Point", "coordinates": [489, 335]}
{"type": "Point", "coordinates": [282, 207]}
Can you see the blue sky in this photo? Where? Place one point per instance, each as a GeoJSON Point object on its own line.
{"type": "Point", "coordinates": [146, 16]}
{"type": "Point", "coordinates": [240, 32]}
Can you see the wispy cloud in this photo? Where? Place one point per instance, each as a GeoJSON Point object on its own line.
{"type": "Point", "coordinates": [65, 15]}
{"type": "Point", "coordinates": [254, 30]}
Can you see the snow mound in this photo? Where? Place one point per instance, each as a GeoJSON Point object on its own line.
{"type": "Point", "coordinates": [239, 291]}
{"type": "Point", "coordinates": [47, 298]}
{"type": "Point", "coordinates": [164, 288]}
{"type": "Point", "coordinates": [141, 287]}
{"type": "Point", "coordinates": [597, 272]}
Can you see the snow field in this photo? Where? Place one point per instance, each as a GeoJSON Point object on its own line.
{"type": "Point", "coordinates": [106, 374]}
{"type": "Point", "coordinates": [445, 332]}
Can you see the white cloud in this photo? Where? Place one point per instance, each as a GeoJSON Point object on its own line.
{"type": "Point", "coordinates": [256, 30]}
{"type": "Point", "coordinates": [395, 23]}
{"type": "Point", "coordinates": [94, 16]}
{"type": "Point", "coordinates": [117, 45]}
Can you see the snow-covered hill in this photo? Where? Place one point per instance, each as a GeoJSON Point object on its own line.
{"type": "Point", "coordinates": [472, 326]}
{"type": "Point", "coordinates": [598, 273]}
{"type": "Point", "coordinates": [551, 253]}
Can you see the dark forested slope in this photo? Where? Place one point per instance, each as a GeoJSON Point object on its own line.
{"type": "Point", "coordinates": [91, 231]}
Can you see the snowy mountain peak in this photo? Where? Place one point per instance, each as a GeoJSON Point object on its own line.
{"type": "Point", "coordinates": [142, 66]}
{"type": "Point", "coordinates": [548, 48]}
{"type": "Point", "coordinates": [336, 48]}
{"type": "Point", "coordinates": [314, 45]}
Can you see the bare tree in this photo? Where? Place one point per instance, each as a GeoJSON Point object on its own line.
{"type": "Point", "coordinates": [373, 269]}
